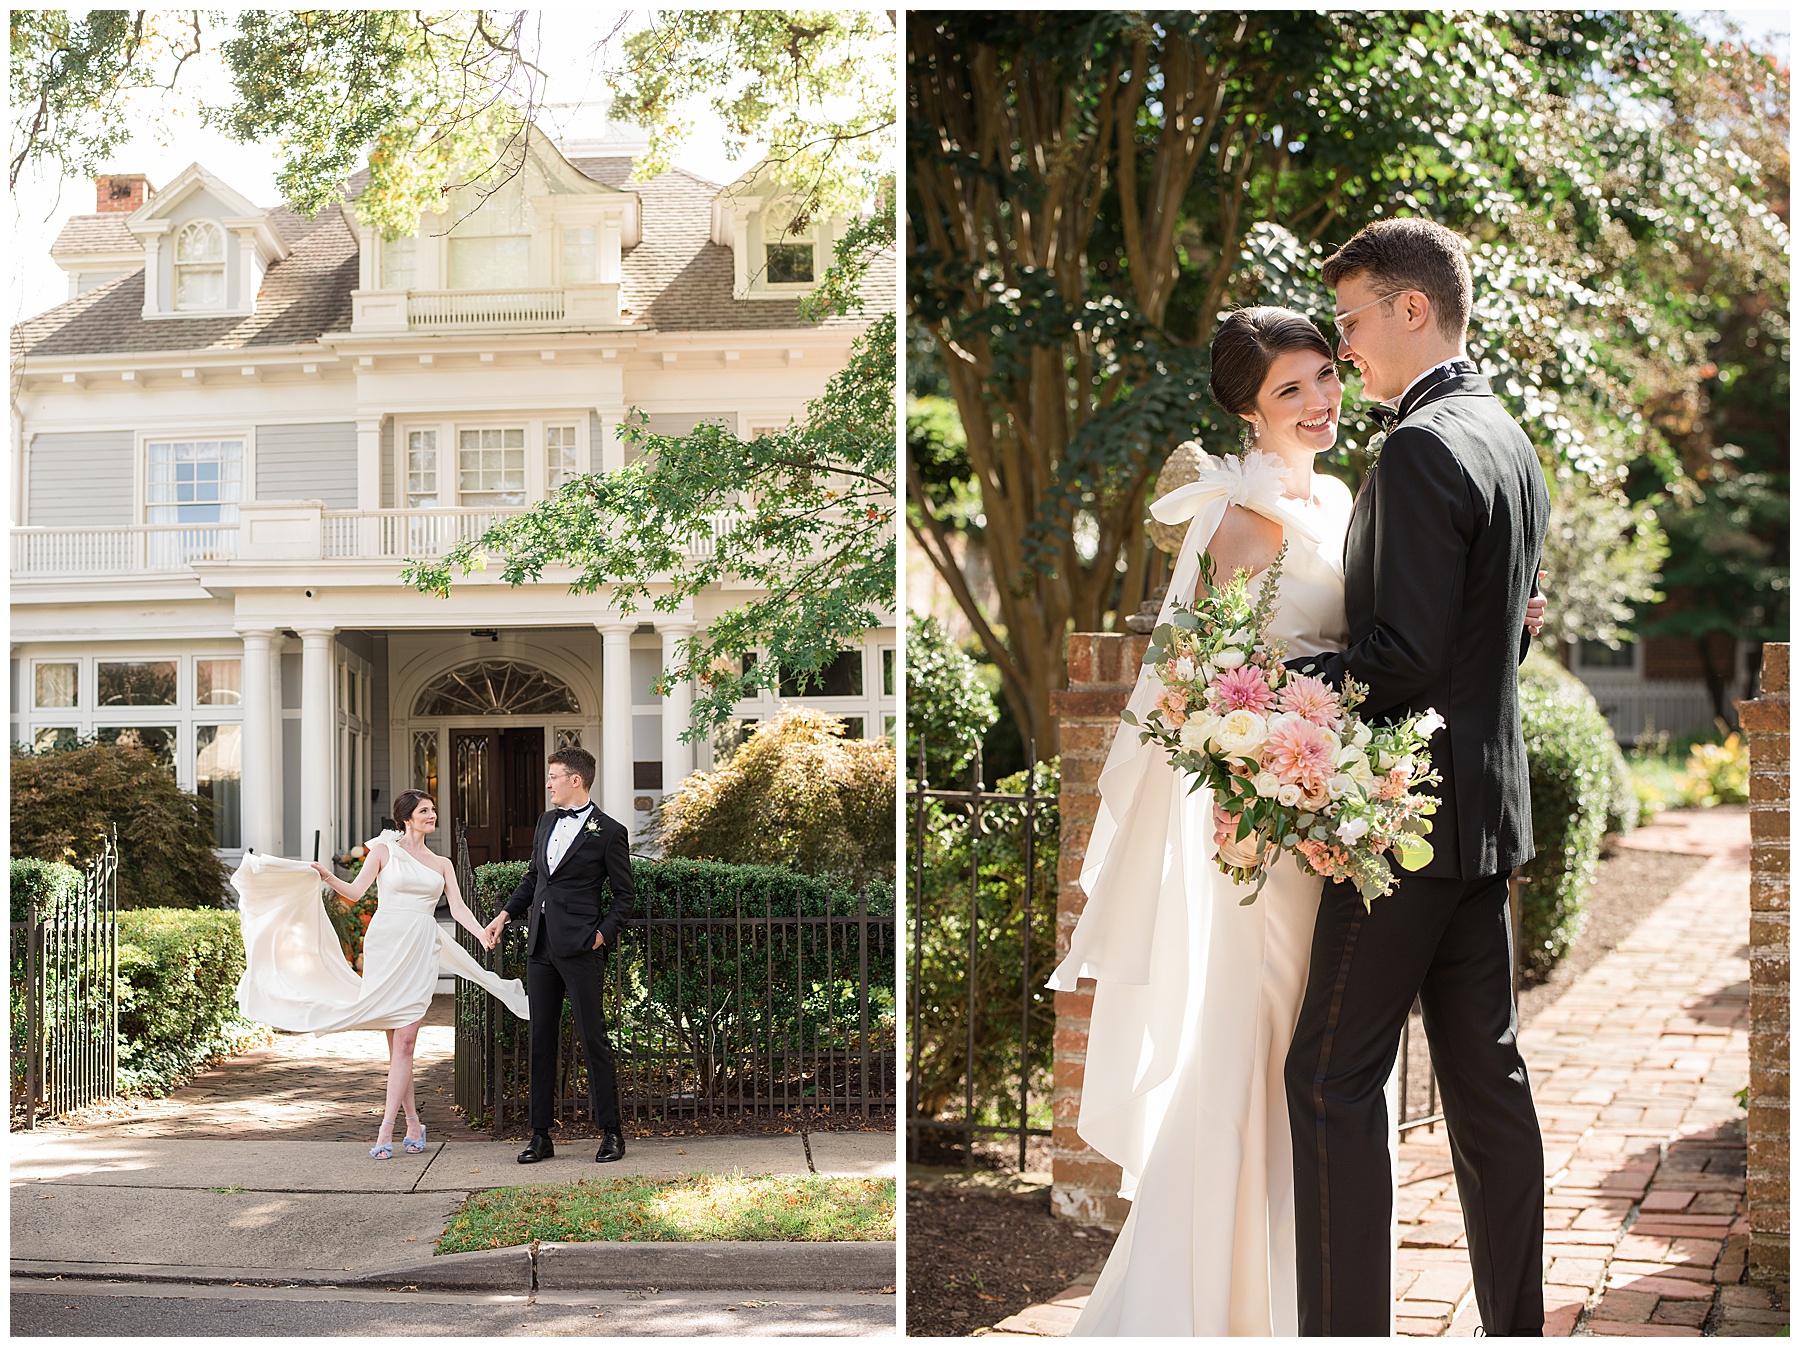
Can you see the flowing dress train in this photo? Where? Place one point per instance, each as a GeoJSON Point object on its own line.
{"type": "Point", "coordinates": [295, 975]}
{"type": "Point", "coordinates": [1196, 995]}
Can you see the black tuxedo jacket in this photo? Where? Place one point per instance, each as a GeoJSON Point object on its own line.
{"type": "Point", "coordinates": [567, 907]}
{"type": "Point", "coordinates": [1441, 557]}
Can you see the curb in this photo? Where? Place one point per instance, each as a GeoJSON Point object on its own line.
{"type": "Point", "coordinates": [700, 1266]}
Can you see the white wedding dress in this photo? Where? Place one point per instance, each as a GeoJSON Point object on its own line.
{"type": "Point", "coordinates": [295, 975]}
{"type": "Point", "coordinates": [1196, 996]}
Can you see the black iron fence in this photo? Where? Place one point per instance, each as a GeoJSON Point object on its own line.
{"type": "Point", "coordinates": [980, 1024]}
{"type": "Point", "coordinates": [986, 917]}
{"type": "Point", "coordinates": [762, 1007]}
{"type": "Point", "coordinates": [65, 986]}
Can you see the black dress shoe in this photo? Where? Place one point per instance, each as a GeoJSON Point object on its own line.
{"type": "Point", "coordinates": [612, 1147]}
{"type": "Point", "coordinates": [538, 1148]}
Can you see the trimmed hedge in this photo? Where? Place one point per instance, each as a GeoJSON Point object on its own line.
{"type": "Point", "coordinates": [178, 976]}
{"type": "Point", "coordinates": [1571, 751]}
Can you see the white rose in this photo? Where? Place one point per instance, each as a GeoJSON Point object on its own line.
{"type": "Point", "coordinates": [1267, 784]}
{"type": "Point", "coordinates": [1384, 761]}
{"type": "Point", "coordinates": [1341, 785]}
{"type": "Point", "coordinates": [1351, 830]}
{"type": "Point", "coordinates": [1196, 730]}
{"type": "Point", "coordinates": [1430, 723]}
{"type": "Point", "coordinates": [1288, 796]}
{"type": "Point", "coordinates": [1228, 659]}
{"type": "Point", "coordinates": [1359, 772]}
{"type": "Point", "coordinates": [1349, 754]}
{"type": "Point", "coordinates": [1184, 669]}
{"type": "Point", "coordinates": [1362, 735]}
{"type": "Point", "coordinates": [1240, 734]}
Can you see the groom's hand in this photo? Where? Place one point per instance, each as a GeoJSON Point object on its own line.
{"type": "Point", "coordinates": [599, 939]}
{"type": "Point", "coordinates": [491, 935]}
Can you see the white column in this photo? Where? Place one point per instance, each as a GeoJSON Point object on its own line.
{"type": "Point", "coordinates": [316, 733]}
{"type": "Point", "coordinates": [258, 784]}
{"type": "Point", "coordinates": [615, 719]}
{"type": "Point", "coordinates": [278, 842]}
{"type": "Point", "coordinates": [677, 757]}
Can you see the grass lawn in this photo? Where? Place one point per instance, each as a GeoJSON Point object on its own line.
{"type": "Point", "coordinates": [694, 1206]}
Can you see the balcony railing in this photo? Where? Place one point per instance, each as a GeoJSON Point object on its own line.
{"type": "Point", "coordinates": [45, 553]}
{"type": "Point", "coordinates": [277, 532]}
{"type": "Point", "coordinates": [483, 308]}
{"type": "Point", "coordinates": [398, 534]}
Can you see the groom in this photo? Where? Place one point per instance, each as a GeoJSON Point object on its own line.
{"type": "Point", "coordinates": [577, 848]}
{"type": "Point", "coordinates": [1441, 557]}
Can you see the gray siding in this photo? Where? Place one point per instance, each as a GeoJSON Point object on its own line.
{"type": "Point", "coordinates": [311, 462]}
{"type": "Point", "coordinates": [387, 463]}
{"type": "Point", "coordinates": [596, 450]}
{"type": "Point", "coordinates": [80, 478]}
{"type": "Point", "coordinates": [680, 423]}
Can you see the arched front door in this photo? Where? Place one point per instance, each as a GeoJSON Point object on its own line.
{"type": "Point", "coordinates": [496, 769]}
{"type": "Point", "coordinates": [497, 789]}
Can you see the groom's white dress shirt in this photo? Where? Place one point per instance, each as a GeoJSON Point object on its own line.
{"type": "Point", "coordinates": [563, 835]}
{"type": "Point", "coordinates": [1441, 365]}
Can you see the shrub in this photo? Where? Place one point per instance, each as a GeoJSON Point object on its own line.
{"type": "Point", "coordinates": [1717, 774]}
{"type": "Point", "coordinates": [178, 976]}
{"type": "Point", "coordinates": [64, 800]}
{"type": "Point", "coordinates": [948, 708]}
{"type": "Point", "coordinates": [995, 856]}
{"type": "Point", "coordinates": [709, 988]}
{"type": "Point", "coordinates": [796, 794]}
{"type": "Point", "coordinates": [1624, 809]}
{"type": "Point", "coordinates": [1570, 750]}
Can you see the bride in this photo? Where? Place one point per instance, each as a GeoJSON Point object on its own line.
{"type": "Point", "coordinates": [296, 978]}
{"type": "Point", "coordinates": [1196, 996]}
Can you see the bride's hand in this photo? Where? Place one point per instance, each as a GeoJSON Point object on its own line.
{"type": "Point", "coordinates": [1534, 610]}
{"type": "Point", "coordinates": [324, 874]}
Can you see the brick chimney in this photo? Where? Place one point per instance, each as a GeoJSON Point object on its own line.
{"type": "Point", "coordinates": [121, 193]}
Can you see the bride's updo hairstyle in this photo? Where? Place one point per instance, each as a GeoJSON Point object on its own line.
{"type": "Point", "coordinates": [404, 805]}
{"type": "Point", "coordinates": [1247, 343]}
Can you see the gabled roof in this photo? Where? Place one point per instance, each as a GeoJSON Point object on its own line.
{"type": "Point", "coordinates": [676, 279]}
{"type": "Point", "coordinates": [303, 295]}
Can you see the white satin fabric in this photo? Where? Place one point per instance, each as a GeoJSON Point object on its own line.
{"type": "Point", "coordinates": [1196, 996]}
{"type": "Point", "coordinates": [295, 975]}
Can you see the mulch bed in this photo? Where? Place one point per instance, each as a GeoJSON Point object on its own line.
{"type": "Point", "coordinates": [977, 1254]}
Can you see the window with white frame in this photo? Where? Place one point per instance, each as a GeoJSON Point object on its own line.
{"type": "Point", "coordinates": [490, 248]}
{"type": "Point", "coordinates": [788, 250]}
{"type": "Point", "coordinates": [490, 466]}
{"type": "Point", "coordinates": [421, 470]}
{"type": "Point", "coordinates": [559, 456]}
{"type": "Point", "coordinates": [200, 266]}
{"type": "Point", "coordinates": [194, 481]}
{"type": "Point", "coordinates": [580, 254]}
{"type": "Point", "coordinates": [399, 263]}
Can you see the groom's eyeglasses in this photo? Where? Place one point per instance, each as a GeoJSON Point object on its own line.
{"type": "Point", "coordinates": [1343, 327]}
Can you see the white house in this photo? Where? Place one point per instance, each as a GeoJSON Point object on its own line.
{"type": "Point", "coordinates": [241, 423]}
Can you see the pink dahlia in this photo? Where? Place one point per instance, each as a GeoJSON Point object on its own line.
{"type": "Point", "coordinates": [1241, 689]}
{"type": "Point", "coordinates": [1301, 753]}
{"type": "Point", "coordinates": [1313, 699]}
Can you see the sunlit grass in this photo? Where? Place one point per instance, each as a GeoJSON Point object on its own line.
{"type": "Point", "coordinates": [691, 1207]}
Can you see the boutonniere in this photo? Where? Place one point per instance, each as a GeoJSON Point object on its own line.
{"type": "Point", "coordinates": [593, 826]}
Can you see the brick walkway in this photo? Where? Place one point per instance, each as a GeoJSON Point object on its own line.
{"type": "Point", "coordinates": [298, 1088]}
{"type": "Point", "coordinates": [1634, 1070]}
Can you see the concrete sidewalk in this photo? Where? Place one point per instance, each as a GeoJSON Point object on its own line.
{"type": "Point", "coordinates": [114, 1206]}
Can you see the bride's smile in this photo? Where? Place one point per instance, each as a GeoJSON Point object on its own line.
{"type": "Point", "coordinates": [1297, 407]}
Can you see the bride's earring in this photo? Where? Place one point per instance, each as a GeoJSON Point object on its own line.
{"type": "Point", "coordinates": [1249, 436]}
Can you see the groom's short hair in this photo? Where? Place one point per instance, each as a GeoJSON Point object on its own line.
{"type": "Point", "coordinates": [1412, 255]}
{"type": "Point", "coordinates": [580, 763]}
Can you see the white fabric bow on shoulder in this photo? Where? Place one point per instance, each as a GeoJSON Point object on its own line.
{"type": "Point", "coordinates": [1253, 481]}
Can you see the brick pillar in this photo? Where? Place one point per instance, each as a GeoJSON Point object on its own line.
{"type": "Point", "coordinates": [1765, 722]}
{"type": "Point", "coordinates": [1102, 669]}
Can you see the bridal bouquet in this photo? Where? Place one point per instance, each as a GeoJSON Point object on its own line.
{"type": "Point", "coordinates": [1286, 756]}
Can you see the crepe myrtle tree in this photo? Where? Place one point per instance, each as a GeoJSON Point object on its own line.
{"type": "Point", "coordinates": [1087, 192]}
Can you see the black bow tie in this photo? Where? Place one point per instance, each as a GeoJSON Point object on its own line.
{"type": "Point", "coordinates": [572, 813]}
{"type": "Point", "coordinates": [1384, 417]}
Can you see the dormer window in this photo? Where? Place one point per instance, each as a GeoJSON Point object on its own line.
{"type": "Point", "coordinates": [490, 248]}
{"type": "Point", "coordinates": [200, 266]}
{"type": "Point", "coordinates": [788, 257]}
{"type": "Point", "coordinates": [580, 254]}
{"type": "Point", "coordinates": [400, 263]}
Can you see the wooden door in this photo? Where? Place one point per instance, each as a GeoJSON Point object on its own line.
{"type": "Point", "coordinates": [522, 794]}
{"type": "Point", "coordinates": [475, 793]}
